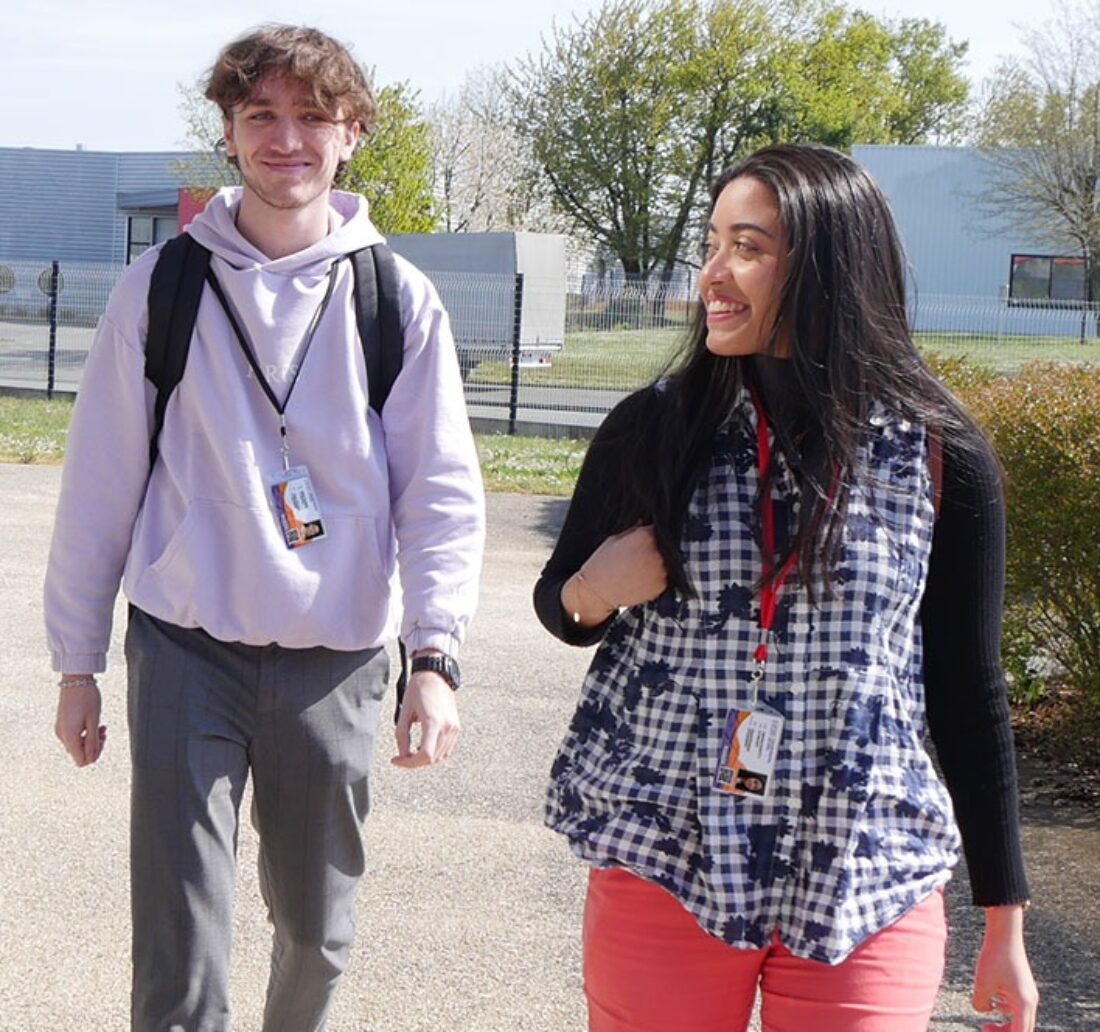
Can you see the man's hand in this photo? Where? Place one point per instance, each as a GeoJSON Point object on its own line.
{"type": "Point", "coordinates": [77, 725]}
{"type": "Point", "coordinates": [430, 702]}
{"type": "Point", "coordinates": [1003, 980]}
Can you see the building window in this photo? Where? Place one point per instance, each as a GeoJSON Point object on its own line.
{"type": "Point", "coordinates": [1043, 278]}
{"type": "Point", "coordinates": [143, 231]}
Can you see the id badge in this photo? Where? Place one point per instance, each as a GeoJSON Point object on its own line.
{"type": "Point", "coordinates": [296, 507]}
{"type": "Point", "coordinates": [750, 746]}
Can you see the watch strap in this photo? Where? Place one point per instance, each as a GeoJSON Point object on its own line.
{"type": "Point", "coordinates": [445, 666]}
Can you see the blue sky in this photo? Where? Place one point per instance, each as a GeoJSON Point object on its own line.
{"type": "Point", "coordinates": [105, 74]}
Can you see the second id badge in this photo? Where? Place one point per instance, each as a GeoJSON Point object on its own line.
{"type": "Point", "coordinates": [750, 746]}
{"type": "Point", "coordinates": [296, 506]}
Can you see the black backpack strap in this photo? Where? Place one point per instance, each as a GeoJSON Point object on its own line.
{"type": "Point", "coordinates": [175, 291]}
{"type": "Point", "coordinates": [402, 678]}
{"type": "Point", "coordinates": [378, 314]}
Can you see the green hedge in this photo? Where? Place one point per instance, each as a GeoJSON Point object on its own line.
{"type": "Point", "coordinates": [1045, 424]}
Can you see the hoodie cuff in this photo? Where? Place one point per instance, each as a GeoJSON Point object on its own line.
{"type": "Point", "coordinates": [78, 662]}
{"type": "Point", "coordinates": [429, 638]}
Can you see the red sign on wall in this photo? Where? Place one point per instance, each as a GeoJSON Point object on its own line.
{"type": "Point", "coordinates": [192, 200]}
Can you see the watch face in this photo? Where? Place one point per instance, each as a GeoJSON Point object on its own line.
{"type": "Point", "coordinates": [450, 671]}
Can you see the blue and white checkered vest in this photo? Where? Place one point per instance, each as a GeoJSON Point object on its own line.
{"type": "Point", "coordinates": [858, 827]}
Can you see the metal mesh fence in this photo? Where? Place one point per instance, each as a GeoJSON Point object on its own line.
{"type": "Point", "coordinates": [533, 355]}
{"type": "Point", "coordinates": [37, 324]}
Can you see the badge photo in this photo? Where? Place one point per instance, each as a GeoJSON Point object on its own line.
{"type": "Point", "coordinates": [296, 506]}
{"type": "Point", "coordinates": [750, 746]}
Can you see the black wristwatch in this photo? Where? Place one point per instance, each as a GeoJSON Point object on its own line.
{"type": "Point", "coordinates": [446, 667]}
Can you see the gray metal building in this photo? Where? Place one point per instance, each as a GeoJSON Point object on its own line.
{"type": "Point", "coordinates": [86, 206]}
{"type": "Point", "coordinates": [969, 271]}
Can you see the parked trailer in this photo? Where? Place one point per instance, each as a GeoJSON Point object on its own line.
{"type": "Point", "coordinates": [496, 287]}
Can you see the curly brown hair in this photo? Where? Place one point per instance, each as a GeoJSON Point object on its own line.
{"type": "Point", "coordinates": [321, 63]}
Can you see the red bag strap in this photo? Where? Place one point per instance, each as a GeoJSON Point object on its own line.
{"type": "Point", "coordinates": [935, 467]}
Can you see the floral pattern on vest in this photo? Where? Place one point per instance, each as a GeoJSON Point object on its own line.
{"type": "Point", "coordinates": [857, 827]}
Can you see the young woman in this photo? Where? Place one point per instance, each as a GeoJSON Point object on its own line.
{"type": "Point", "coordinates": [790, 550]}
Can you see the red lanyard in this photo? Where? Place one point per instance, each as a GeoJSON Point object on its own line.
{"type": "Point", "coordinates": [769, 591]}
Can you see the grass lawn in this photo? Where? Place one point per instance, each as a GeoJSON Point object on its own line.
{"type": "Point", "coordinates": [1006, 354]}
{"type": "Point", "coordinates": [33, 429]}
{"type": "Point", "coordinates": [530, 465]}
{"type": "Point", "coordinates": [597, 358]}
{"type": "Point", "coordinates": [627, 359]}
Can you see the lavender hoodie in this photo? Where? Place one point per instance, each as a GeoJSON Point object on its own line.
{"type": "Point", "coordinates": [196, 543]}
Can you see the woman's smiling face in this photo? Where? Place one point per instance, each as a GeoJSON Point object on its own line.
{"type": "Point", "coordinates": [745, 261]}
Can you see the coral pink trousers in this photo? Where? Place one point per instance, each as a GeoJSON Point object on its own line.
{"type": "Point", "coordinates": [649, 967]}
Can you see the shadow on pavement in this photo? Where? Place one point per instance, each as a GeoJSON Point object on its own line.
{"type": "Point", "coordinates": [550, 516]}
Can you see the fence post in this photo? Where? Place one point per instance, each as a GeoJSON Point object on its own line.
{"type": "Point", "coordinates": [517, 328]}
{"type": "Point", "coordinates": [1088, 298]}
{"type": "Point", "coordinates": [55, 273]}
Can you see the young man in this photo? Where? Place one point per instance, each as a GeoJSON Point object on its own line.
{"type": "Point", "coordinates": [252, 648]}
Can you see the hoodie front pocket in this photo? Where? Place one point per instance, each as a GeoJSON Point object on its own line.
{"type": "Point", "coordinates": [227, 569]}
{"type": "Point", "coordinates": [175, 542]}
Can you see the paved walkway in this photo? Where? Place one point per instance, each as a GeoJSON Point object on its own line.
{"type": "Point", "coordinates": [469, 919]}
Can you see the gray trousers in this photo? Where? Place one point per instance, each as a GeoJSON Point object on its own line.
{"type": "Point", "coordinates": [202, 714]}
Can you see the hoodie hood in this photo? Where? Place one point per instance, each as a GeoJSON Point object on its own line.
{"type": "Point", "coordinates": [350, 229]}
{"type": "Point", "coordinates": [276, 300]}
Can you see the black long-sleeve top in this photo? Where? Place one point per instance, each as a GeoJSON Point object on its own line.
{"type": "Point", "coordinates": [967, 705]}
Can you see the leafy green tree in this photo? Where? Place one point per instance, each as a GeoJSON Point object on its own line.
{"type": "Point", "coordinates": [1039, 130]}
{"type": "Point", "coordinates": [634, 109]}
{"type": "Point", "coordinates": [847, 77]}
{"type": "Point", "coordinates": [392, 168]}
{"type": "Point", "coordinates": [930, 92]}
{"type": "Point", "coordinates": [631, 110]}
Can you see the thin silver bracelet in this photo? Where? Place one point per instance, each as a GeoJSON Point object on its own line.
{"type": "Point", "coordinates": [582, 579]}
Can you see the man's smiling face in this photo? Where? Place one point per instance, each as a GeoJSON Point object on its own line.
{"type": "Point", "coordinates": [287, 147]}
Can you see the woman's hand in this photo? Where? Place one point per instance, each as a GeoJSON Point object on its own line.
{"type": "Point", "coordinates": [1003, 979]}
{"type": "Point", "coordinates": [626, 570]}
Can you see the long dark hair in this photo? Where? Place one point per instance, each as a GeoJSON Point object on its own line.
{"type": "Point", "coordinates": [842, 308]}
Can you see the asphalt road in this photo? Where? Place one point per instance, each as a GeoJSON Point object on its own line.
{"type": "Point", "coordinates": [469, 917]}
